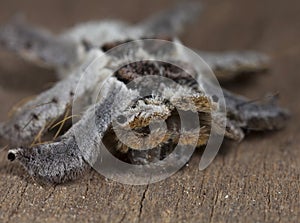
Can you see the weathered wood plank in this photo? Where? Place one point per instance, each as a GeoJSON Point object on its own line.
{"type": "Point", "coordinates": [255, 181]}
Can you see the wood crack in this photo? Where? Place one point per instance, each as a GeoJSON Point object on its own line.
{"type": "Point", "coordinates": [19, 203]}
{"type": "Point", "coordinates": [142, 203]}
{"type": "Point", "coordinates": [178, 201]}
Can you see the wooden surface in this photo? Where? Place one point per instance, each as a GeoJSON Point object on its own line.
{"type": "Point", "coordinates": [254, 181]}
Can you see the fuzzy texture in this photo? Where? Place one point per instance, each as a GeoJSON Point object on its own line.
{"type": "Point", "coordinates": [129, 120]}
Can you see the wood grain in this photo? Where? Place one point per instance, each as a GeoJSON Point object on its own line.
{"type": "Point", "coordinates": [257, 180]}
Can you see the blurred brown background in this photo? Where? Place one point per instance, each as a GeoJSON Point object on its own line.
{"type": "Point", "coordinates": [255, 181]}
